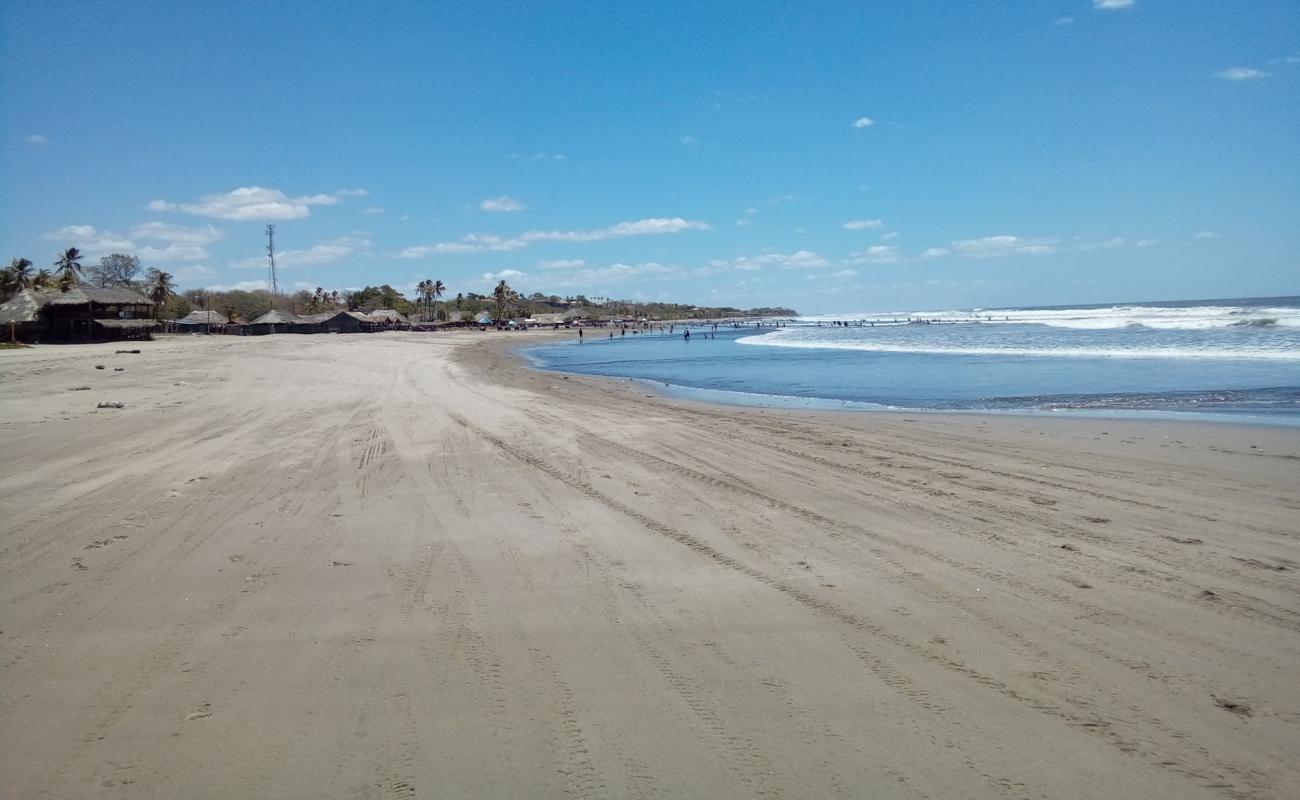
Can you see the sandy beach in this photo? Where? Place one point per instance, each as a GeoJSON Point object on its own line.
{"type": "Point", "coordinates": [404, 565]}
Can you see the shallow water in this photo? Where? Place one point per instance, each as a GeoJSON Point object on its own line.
{"type": "Point", "coordinates": [1221, 358]}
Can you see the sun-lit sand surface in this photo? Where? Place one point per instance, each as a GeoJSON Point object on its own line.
{"type": "Point", "coordinates": [403, 565]}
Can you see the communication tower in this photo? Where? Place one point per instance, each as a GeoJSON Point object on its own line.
{"type": "Point", "coordinates": [271, 285]}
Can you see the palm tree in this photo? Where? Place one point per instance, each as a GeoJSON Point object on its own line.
{"type": "Point", "coordinates": [504, 295]}
{"type": "Point", "coordinates": [334, 299]}
{"type": "Point", "coordinates": [161, 288]}
{"type": "Point", "coordinates": [20, 270]}
{"type": "Point", "coordinates": [43, 279]}
{"type": "Point", "coordinates": [422, 288]}
{"type": "Point", "coordinates": [69, 266]}
{"type": "Point", "coordinates": [436, 289]}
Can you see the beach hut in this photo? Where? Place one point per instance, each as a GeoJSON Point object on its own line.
{"type": "Point", "coordinates": [333, 322]}
{"type": "Point", "coordinates": [202, 322]}
{"type": "Point", "coordinates": [273, 321]}
{"type": "Point", "coordinates": [389, 318]}
{"type": "Point", "coordinates": [80, 314]}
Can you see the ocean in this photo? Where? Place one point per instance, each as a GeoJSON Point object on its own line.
{"type": "Point", "coordinates": [1235, 359]}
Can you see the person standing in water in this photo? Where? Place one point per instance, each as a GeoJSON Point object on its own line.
{"type": "Point", "coordinates": [687, 335]}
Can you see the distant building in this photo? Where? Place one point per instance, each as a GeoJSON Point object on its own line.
{"type": "Point", "coordinates": [389, 318]}
{"type": "Point", "coordinates": [273, 321]}
{"type": "Point", "coordinates": [81, 314]}
{"type": "Point", "coordinates": [334, 322]}
{"type": "Point", "coordinates": [202, 322]}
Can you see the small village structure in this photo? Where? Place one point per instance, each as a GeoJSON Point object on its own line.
{"type": "Point", "coordinates": [202, 322]}
{"type": "Point", "coordinates": [271, 322]}
{"type": "Point", "coordinates": [80, 314]}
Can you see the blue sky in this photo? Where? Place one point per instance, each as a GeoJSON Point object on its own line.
{"type": "Point", "coordinates": [833, 157]}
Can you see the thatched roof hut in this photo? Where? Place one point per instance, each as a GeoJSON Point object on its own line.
{"type": "Point", "coordinates": [203, 318]}
{"type": "Point", "coordinates": [389, 317]}
{"type": "Point", "coordinates": [22, 307]}
{"type": "Point", "coordinates": [82, 313]}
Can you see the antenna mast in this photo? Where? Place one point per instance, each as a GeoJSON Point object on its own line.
{"type": "Point", "coordinates": [271, 284]}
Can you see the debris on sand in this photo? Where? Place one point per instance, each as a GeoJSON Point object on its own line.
{"type": "Point", "coordinates": [129, 352]}
{"type": "Point", "coordinates": [111, 405]}
{"type": "Point", "coordinates": [78, 388]}
{"type": "Point", "coordinates": [1235, 706]}
{"type": "Point", "coordinates": [99, 366]}
{"type": "Point", "coordinates": [119, 369]}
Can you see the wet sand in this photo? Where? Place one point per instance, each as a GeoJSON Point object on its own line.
{"type": "Point", "coordinates": [404, 565]}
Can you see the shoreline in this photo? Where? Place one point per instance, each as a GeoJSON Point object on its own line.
{"type": "Point", "coordinates": [334, 565]}
{"type": "Point", "coordinates": [691, 394]}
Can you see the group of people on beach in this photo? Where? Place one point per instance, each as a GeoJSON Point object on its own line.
{"type": "Point", "coordinates": [710, 329]}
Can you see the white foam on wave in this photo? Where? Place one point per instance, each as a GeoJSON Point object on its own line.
{"type": "Point", "coordinates": [787, 337]}
{"type": "Point", "coordinates": [1113, 317]}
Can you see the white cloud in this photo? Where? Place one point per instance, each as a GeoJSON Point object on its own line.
{"type": "Point", "coordinates": [38, 139]}
{"type": "Point", "coordinates": [322, 253]}
{"type": "Point", "coordinates": [1242, 74]}
{"type": "Point", "coordinates": [254, 203]}
{"type": "Point", "coordinates": [472, 243]}
{"type": "Point", "coordinates": [993, 246]}
{"type": "Point", "coordinates": [744, 223]}
{"type": "Point", "coordinates": [538, 156]}
{"type": "Point", "coordinates": [890, 236]}
{"type": "Point", "coordinates": [1292, 59]}
{"type": "Point", "coordinates": [1112, 5]}
{"type": "Point", "coordinates": [613, 274]}
{"type": "Point", "coordinates": [1105, 244]}
{"type": "Point", "coordinates": [352, 193]}
{"type": "Point", "coordinates": [842, 274]}
{"type": "Point", "coordinates": [181, 243]}
{"type": "Point", "coordinates": [1063, 21]}
{"type": "Point", "coordinates": [372, 211]}
{"type": "Point", "coordinates": [641, 227]}
{"type": "Point", "coordinates": [172, 253]}
{"type": "Point", "coordinates": [503, 275]}
{"type": "Point", "coordinates": [688, 140]}
{"type": "Point", "coordinates": [241, 286]}
{"type": "Point", "coordinates": [863, 224]}
{"type": "Point", "coordinates": [479, 243]}
{"type": "Point", "coordinates": [800, 259]}
{"type": "Point", "coordinates": [863, 122]}
{"type": "Point", "coordinates": [877, 254]}
{"type": "Point", "coordinates": [91, 241]}
{"type": "Point", "coordinates": [751, 210]}
{"type": "Point", "coordinates": [562, 263]}
{"type": "Point", "coordinates": [1206, 235]}
{"type": "Point", "coordinates": [934, 252]}
{"type": "Point", "coordinates": [177, 234]}
{"type": "Point", "coordinates": [502, 203]}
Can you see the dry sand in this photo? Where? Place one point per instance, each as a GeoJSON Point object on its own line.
{"type": "Point", "coordinates": [404, 566]}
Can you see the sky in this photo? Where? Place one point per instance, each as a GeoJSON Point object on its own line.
{"type": "Point", "coordinates": [830, 157]}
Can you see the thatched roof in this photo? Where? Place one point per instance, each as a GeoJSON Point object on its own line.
{"type": "Point", "coordinates": [203, 318]}
{"type": "Point", "coordinates": [26, 305]}
{"type": "Point", "coordinates": [387, 315]}
{"type": "Point", "coordinates": [126, 323]}
{"type": "Point", "coordinates": [81, 295]}
{"type": "Point", "coordinates": [22, 307]}
{"type": "Point", "coordinates": [275, 317]}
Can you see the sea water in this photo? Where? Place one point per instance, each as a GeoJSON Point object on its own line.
{"type": "Point", "coordinates": [1237, 359]}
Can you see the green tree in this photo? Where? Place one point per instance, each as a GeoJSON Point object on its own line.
{"type": "Point", "coordinates": [21, 271]}
{"type": "Point", "coordinates": [115, 269]}
{"type": "Point", "coordinates": [505, 298]}
{"type": "Point", "coordinates": [69, 267]}
{"type": "Point", "coordinates": [161, 287]}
